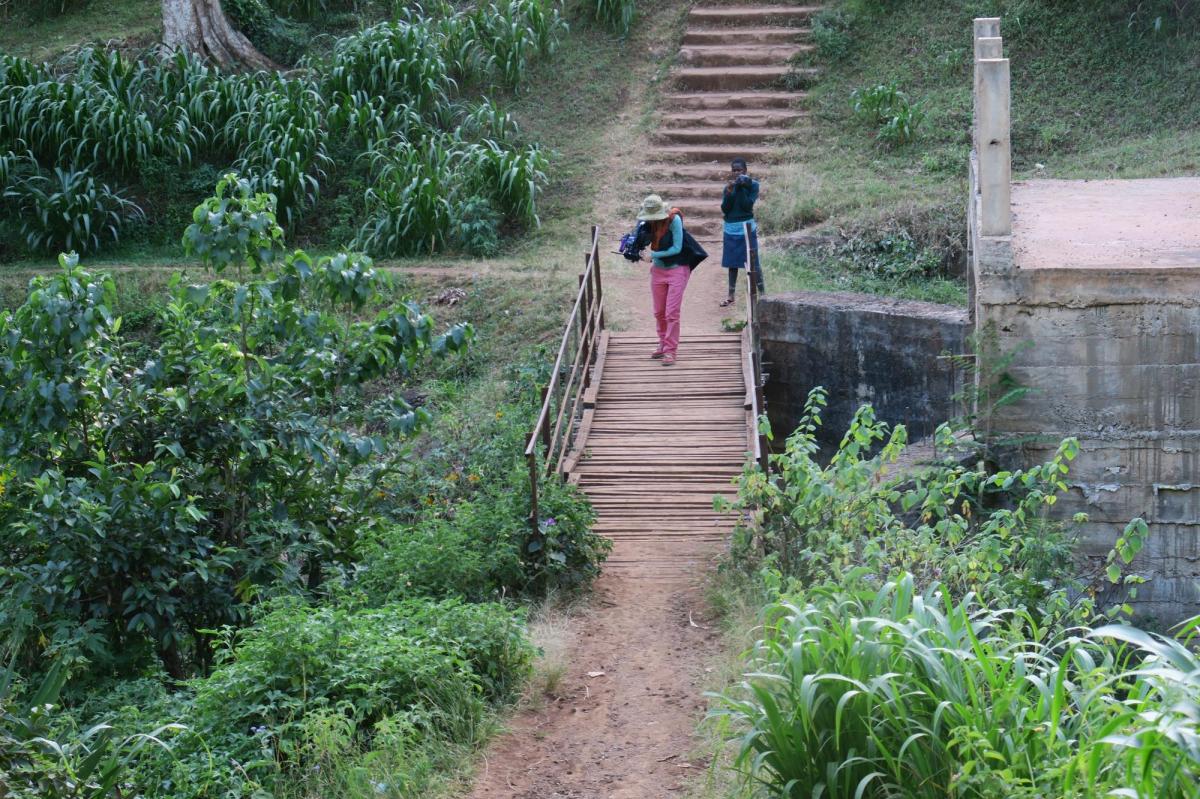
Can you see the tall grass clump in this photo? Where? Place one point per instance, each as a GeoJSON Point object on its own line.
{"type": "Point", "coordinates": [617, 15]}
{"type": "Point", "coordinates": [882, 690]}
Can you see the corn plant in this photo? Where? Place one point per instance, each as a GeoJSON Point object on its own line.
{"type": "Point", "coordinates": [396, 86]}
{"type": "Point", "coordinates": [409, 206]}
{"type": "Point", "coordinates": [70, 211]}
{"type": "Point", "coordinates": [42, 755]}
{"type": "Point", "coordinates": [514, 177]}
{"type": "Point", "coordinates": [888, 108]}
{"type": "Point", "coordinates": [397, 61]}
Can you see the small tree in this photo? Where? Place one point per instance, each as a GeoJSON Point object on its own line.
{"type": "Point", "coordinates": [154, 495]}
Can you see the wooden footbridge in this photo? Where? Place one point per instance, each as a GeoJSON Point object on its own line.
{"type": "Point", "coordinates": [649, 445]}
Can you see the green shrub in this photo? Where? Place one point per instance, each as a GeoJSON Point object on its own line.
{"type": "Point", "coordinates": [225, 463]}
{"type": "Point", "coordinates": [440, 557]}
{"type": "Point", "coordinates": [477, 227]}
{"type": "Point", "coordinates": [890, 254]}
{"type": "Point", "coordinates": [831, 33]}
{"type": "Point", "coordinates": [967, 529]}
{"type": "Point", "coordinates": [43, 755]}
{"type": "Point", "coordinates": [885, 106]}
{"type": "Point", "coordinates": [431, 665]}
{"type": "Point", "coordinates": [482, 547]}
{"type": "Point", "coordinates": [70, 211]}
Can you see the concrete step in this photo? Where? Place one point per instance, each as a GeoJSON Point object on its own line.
{"type": "Point", "coordinates": [774, 34]}
{"type": "Point", "coordinates": [733, 118]}
{"type": "Point", "coordinates": [723, 55]}
{"type": "Point", "coordinates": [689, 190]}
{"type": "Point", "coordinates": [730, 78]}
{"type": "Point", "coordinates": [716, 173]}
{"type": "Point", "coordinates": [710, 153]}
{"type": "Point", "coordinates": [690, 101]}
{"type": "Point", "coordinates": [704, 135]}
{"type": "Point", "coordinates": [749, 16]}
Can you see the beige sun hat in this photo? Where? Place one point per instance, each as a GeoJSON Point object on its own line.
{"type": "Point", "coordinates": [653, 208]}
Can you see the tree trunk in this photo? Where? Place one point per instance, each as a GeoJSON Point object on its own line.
{"type": "Point", "coordinates": [201, 27]}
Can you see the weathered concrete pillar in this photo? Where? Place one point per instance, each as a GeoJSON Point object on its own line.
{"type": "Point", "coordinates": [987, 27]}
{"type": "Point", "coordinates": [993, 139]}
{"type": "Point", "coordinates": [989, 47]}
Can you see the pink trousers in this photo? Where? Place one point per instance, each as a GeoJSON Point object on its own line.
{"type": "Point", "coordinates": [666, 287]}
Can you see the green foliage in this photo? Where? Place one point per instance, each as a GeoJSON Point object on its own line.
{"type": "Point", "coordinates": [888, 108]}
{"type": "Point", "coordinates": [69, 211]}
{"type": "Point", "coordinates": [394, 86]}
{"type": "Point", "coordinates": [447, 656]}
{"type": "Point", "coordinates": [155, 495]}
{"type": "Point", "coordinates": [237, 229]}
{"type": "Point", "coordinates": [968, 529]}
{"type": "Point", "coordinates": [476, 227]}
{"type": "Point", "coordinates": [324, 695]}
{"type": "Point", "coordinates": [893, 255]}
{"type": "Point", "coordinates": [617, 15]}
{"type": "Point", "coordinates": [43, 757]}
{"type": "Point", "coordinates": [892, 691]}
{"type": "Point", "coordinates": [831, 33]}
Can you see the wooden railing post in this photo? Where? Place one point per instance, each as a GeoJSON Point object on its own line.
{"type": "Point", "coordinates": [752, 268]}
{"type": "Point", "coordinates": [596, 270]}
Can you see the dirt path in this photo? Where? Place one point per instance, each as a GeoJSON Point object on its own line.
{"type": "Point", "coordinates": [621, 724]}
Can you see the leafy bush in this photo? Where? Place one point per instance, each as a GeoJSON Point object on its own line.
{"type": "Point", "coordinates": [155, 498]}
{"type": "Point", "coordinates": [967, 529]}
{"type": "Point", "coordinates": [42, 756]}
{"type": "Point", "coordinates": [480, 547]}
{"type": "Point", "coordinates": [408, 675]}
{"type": "Point", "coordinates": [70, 211]}
{"type": "Point", "coordinates": [831, 33]}
{"type": "Point", "coordinates": [476, 227]}
{"type": "Point", "coordinates": [892, 254]}
{"type": "Point", "coordinates": [885, 691]}
{"type": "Point", "coordinates": [885, 106]}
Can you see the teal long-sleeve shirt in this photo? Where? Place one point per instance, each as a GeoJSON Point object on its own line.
{"type": "Point", "coordinates": [676, 247]}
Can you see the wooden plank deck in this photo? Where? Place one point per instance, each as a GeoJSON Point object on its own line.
{"type": "Point", "coordinates": [660, 443]}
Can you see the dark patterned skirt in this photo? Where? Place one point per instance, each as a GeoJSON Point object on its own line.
{"type": "Point", "coordinates": [733, 250]}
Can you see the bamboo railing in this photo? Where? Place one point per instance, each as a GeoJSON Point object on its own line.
{"type": "Point", "coordinates": [553, 434]}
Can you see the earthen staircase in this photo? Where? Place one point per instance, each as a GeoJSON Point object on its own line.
{"type": "Point", "coordinates": [725, 99]}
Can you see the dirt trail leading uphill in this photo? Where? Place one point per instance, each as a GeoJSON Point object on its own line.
{"type": "Point", "coordinates": [663, 442]}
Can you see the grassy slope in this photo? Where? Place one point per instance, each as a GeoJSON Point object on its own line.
{"type": "Point", "coordinates": [130, 21]}
{"type": "Point", "coordinates": [1096, 93]}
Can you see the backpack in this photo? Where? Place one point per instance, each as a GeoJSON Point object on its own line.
{"type": "Point", "coordinates": [692, 253]}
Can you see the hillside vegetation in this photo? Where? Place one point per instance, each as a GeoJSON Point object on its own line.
{"type": "Point", "coordinates": [266, 522]}
{"type": "Point", "coordinates": [1100, 89]}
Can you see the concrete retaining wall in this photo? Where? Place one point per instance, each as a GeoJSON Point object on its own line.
{"type": "Point", "coordinates": [1115, 362]}
{"type": "Point", "coordinates": [862, 349]}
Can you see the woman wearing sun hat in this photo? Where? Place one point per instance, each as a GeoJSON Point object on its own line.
{"type": "Point", "coordinates": [669, 272]}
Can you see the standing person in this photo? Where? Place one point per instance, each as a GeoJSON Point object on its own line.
{"type": "Point", "coordinates": [669, 272]}
{"type": "Point", "coordinates": [737, 204]}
